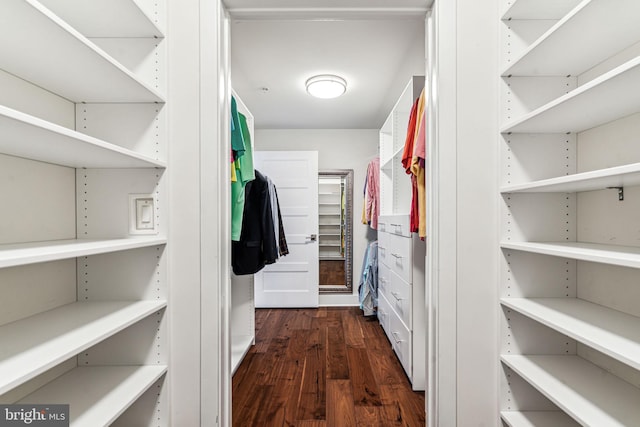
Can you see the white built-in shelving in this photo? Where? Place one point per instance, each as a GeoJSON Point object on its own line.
{"type": "Point", "coordinates": [561, 50]}
{"type": "Point", "coordinates": [612, 332]}
{"type": "Point", "coordinates": [12, 255]}
{"type": "Point", "coordinates": [53, 55]}
{"type": "Point", "coordinates": [592, 396]}
{"type": "Point", "coordinates": [37, 343]}
{"type": "Point", "coordinates": [539, 9]}
{"type": "Point", "coordinates": [98, 395]}
{"type": "Point", "coordinates": [619, 176]}
{"type": "Point", "coordinates": [538, 419]}
{"type": "Point", "coordinates": [568, 298]}
{"type": "Point", "coordinates": [90, 121]}
{"type": "Point", "coordinates": [599, 101]}
{"type": "Point", "coordinates": [33, 138]}
{"type": "Point", "coordinates": [624, 256]}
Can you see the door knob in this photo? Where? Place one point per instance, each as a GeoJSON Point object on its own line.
{"type": "Point", "coordinates": [312, 238]}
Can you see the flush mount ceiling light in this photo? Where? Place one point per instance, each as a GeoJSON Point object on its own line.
{"type": "Point", "coordinates": [326, 86]}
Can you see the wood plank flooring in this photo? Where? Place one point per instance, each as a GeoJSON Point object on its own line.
{"type": "Point", "coordinates": [326, 367]}
{"type": "Point", "coordinates": [331, 273]}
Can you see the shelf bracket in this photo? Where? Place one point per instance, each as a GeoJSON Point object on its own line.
{"type": "Point", "coordinates": [620, 192]}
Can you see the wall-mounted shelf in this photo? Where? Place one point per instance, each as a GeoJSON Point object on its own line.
{"type": "Point", "coordinates": [539, 9]}
{"type": "Point", "coordinates": [36, 139]}
{"type": "Point", "coordinates": [538, 419]}
{"type": "Point", "coordinates": [599, 101]}
{"type": "Point", "coordinates": [105, 18]}
{"type": "Point", "coordinates": [31, 253]}
{"type": "Point", "coordinates": [97, 395]}
{"type": "Point", "coordinates": [609, 331]}
{"type": "Point", "coordinates": [37, 343]}
{"type": "Point", "coordinates": [592, 396]}
{"type": "Point", "coordinates": [38, 46]}
{"type": "Point", "coordinates": [624, 256]}
{"type": "Point", "coordinates": [620, 176]}
{"type": "Point", "coordinates": [561, 50]}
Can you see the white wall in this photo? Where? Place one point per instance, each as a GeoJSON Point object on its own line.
{"type": "Point", "coordinates": [337, 149]}
{"type": "Point", "coordinates": [467, 202]}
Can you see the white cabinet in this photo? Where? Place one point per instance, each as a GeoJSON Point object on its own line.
{"type": "Point", "coordinates": [83, 128]}
{"type": "Point", "coordinates": [401, 297]}
{"type": "Point", "coordinates": [331, 220]}
{"type": "Point", "coordinates": [570, 346]}
{"type": "Point", "coordinates": [401, 254]}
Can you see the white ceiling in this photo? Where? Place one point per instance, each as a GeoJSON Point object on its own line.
{"type": "Point", "coordinates": [276, 45]}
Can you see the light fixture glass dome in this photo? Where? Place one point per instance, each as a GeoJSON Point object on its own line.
{"type": "Point", "coordinates": [326, 86]}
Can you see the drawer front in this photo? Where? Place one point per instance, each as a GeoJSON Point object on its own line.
{"type": "Point", "coordinates": [384, 313]}
{"type": "Point", "coordinates": [384, 280]}
{"type": "Point", "coordinates": [400, 338]}
{"type": "Point", "coordinates": [384, 249]}
{"type": "Point", "coordinates": [399, 296]}
{"type": "Point", "coordinates": [394, 224]}
{"type": "Point", "coordinates": [398, 256]}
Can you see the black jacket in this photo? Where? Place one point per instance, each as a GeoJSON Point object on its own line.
{"type": "Point", "coordinates": [257, 245]}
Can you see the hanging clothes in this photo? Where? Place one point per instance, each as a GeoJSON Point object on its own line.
{"type": "Point", "coordinates": [279, 236]}
{"type": "Point", "coordinates": [372, 209]}
{"type": "Point", "coordinates": [417, 168]}
{"type": "Point", "coordinates": [257, 245]}
{"type": "Point", "coordinates": [244, 172]}
{"type": "Point", "coordinates": [364, 198]}
{"type": "Point", "coordinates": [368, 287]}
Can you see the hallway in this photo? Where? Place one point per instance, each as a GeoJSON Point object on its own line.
{"type": "Point", "coordinates": [322, 367]}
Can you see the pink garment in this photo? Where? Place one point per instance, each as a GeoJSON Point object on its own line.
{"type": "Point", "coordinates": [372, 210]}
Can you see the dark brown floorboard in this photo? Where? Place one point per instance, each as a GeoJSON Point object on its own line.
{"type": "Point", "coordinates": [326, 367]}
{"type": "Point", "coordinates": [331, 273]}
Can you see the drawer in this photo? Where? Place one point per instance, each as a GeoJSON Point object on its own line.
{"type": "Point", "coordinates": [399, 297]}
{"type": "Point", "coordinates": [400, 338]}
{"type": "Point", "coordinates": [384, 313]}
{"type": "Point", "coordinates": [395, 252]}
{"type": "Point", "coordinates": [384, 279]}
{"type": "Point", "coordinates": [394, 224]}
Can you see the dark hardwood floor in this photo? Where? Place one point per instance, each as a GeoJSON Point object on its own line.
{"type": "Point", "coordinates": [327, 367]}
{"type": "Point", "coordinates": [331, 273]}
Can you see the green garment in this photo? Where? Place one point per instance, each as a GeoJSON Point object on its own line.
{"type": "Point", "coordinates": [238, 144]}
{"type": "Point", "coordinates": [244, 173]}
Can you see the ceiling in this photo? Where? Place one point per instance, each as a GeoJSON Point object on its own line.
{"type": "Point", "coordinates": [276, 45]}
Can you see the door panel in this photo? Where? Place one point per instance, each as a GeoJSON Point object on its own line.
{"type": "Point", "coordinates": [293, 280]}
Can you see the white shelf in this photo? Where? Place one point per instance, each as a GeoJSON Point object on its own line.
{"type": "Point", "coordinates": [620, 176]}
{"type": "Point", "coordinates": [41, 48]}
{"type": "Point", "coordinates": [240, 346]}
{"type": "Point", "coordinates": [609, 331]}
{"type": "Point", "coordinates": [36, 139]}
{"type": "Point", "coordinates": [561, 50]}
{"type": "Point", "coordinates": [538, 419]}
{"type": "Point", "coordinates": [31, 253]}
{"type": "Point", "coordinates": [624, 256]}
{"type": "Point", "coordinates": [97, 395]}
{"type": "Point", "coordinates": [599, 101]}
{"type": "Point", "coordinates": [330, 245]}
{"type": "Point", "coordinates": [590, 395]}
{"type": "Point", "coordinates": [539, 9]}
{"type": "Point", "coordinates": [37, 343]}
{"type": "Point", "coordinates": [105, 18]}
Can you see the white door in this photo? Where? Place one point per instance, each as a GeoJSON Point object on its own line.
{"type": "Point", "coordinates": [293, 280]}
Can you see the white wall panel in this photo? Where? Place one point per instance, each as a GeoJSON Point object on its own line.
{"type": "Point", "coordinates": [522, 95]}
{"type": "Point", "coordinates": [23, 96]}
{"type": "Point", "coordinates": [38, 201]}
{"type": "Point", "coordinates": [532, 275]}
{"type": "Point", "coordinates": [138, 127]}
{"type": "Point", "coordinates": [142, 56]}
{"type": "Point", "coordinates": [538, 217]}
{"type": "Point", "coordinates": [103, 199]}
{"type": "Point", "coordinates": [27, 290]}
{"type": "Point", "coordinates": [516, 35]}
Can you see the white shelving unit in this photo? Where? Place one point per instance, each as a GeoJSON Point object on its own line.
{"type": "Point", "coordinates": [331, 218]}
{"type": "Point", "coordinates": [98, 395]}
{"type": "Point", "coordinates": [570, 340]}
{"type": "Point", "coordinates": [243, 308]}
{"type": "Point", "coordinates": [401, 254]}
{"type": "Point", "coordinates": [82, 128]}
{"type": "Point", "coordinates": [395, 185]}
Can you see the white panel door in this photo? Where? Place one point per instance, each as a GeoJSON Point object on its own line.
{"type": "Point", "coordinates": [293, 280]}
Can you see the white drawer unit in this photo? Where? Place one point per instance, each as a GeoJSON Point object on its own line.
{"type": "Point", "coordinates": [401, 296]}
{"type": "Point", "coordinates": [395, 224]}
